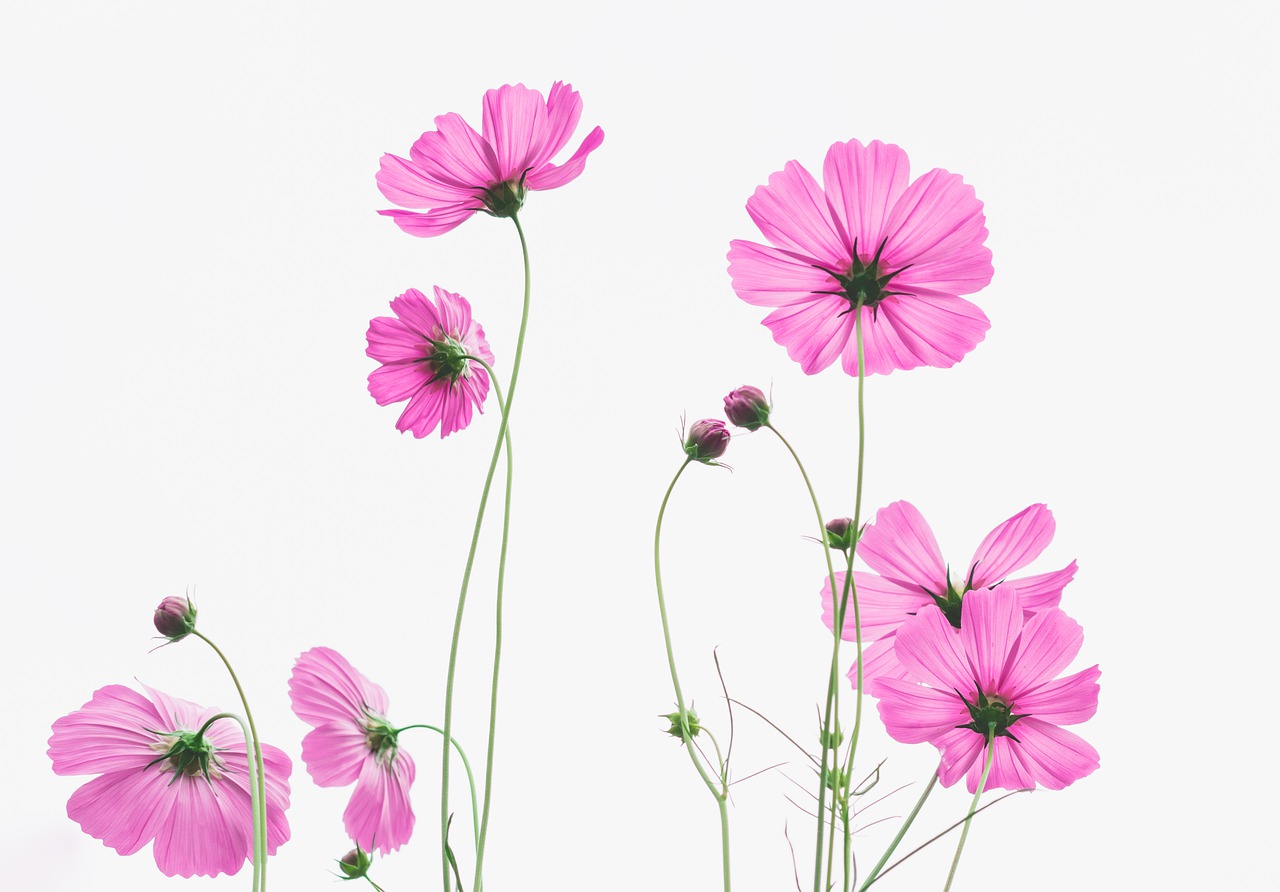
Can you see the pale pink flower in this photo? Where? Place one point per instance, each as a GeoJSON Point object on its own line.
{"type": "Point", "coordinates": [452, 171]}
{"type": "Point", "coordinates": [908, 250]}
{"type": "Point", "coordinates": [1000, 668]}
{"type": "Point", "coordinates": [159, 782]}
{"type": "Point", "coordinates": [424, 353]}
{"type": "Point", "coordinates": [900, 547]}
{"type": "Point", "coordinates": [352, 742]}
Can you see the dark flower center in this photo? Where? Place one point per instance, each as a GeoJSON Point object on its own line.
{"type": "Point", "coordinates": [991, 713]}
{"type": "Point", "coordinates": [864, 284]}
{"type": "Point", "coordinates": [448, 358]}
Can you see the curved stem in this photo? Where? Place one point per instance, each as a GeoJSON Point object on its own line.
{"type": "Point", "coordinates": [254, 793]}
{"type": "Point", "coordinates": [964, 834]}
{"type": "Point", "coordinates": [685, 737]}
{"type": "Point", "coordinates": [447, 732]}
{"type": "Point", "coordinates": [475, 812]}
{"type": "Point", "coordinates": [258, 797]}
{"type": "Point", "coordinates": [902, 831]}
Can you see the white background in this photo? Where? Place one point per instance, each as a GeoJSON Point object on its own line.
{"type": "Point", "coordinates": [191, 260]}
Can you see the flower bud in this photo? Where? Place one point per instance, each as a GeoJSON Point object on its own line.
{"type": "Point", "coordinates": [175, 618]}
{"type": "Point", "coordinates": [675, 729]}
{"type": "Point", "coordinates": [840, 533]}
{"type": "Point", "coordinates": [707, 440]}
{"type": "Point", "coordinates": [355, 864]}
{"type": "Point", "coordinates": [747, 408]}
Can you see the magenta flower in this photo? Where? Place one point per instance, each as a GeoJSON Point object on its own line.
{"type": "Point", "coordinates": [906, 252]}
{"type": "Point", "coordinates": [1001, 669]}
{"type": "Point", "coordinates": [425, 353]}
{"type": "Point", "coordinates": [900, 547]}
{"type": "Point", "coordinates": [452, 171]}
{"type": "Point", "coordinates": [162, 778]}
{"type": "Point", "coordinates": [354, 743]}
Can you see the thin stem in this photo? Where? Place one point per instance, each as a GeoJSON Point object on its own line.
{"type": "Point", "coordinates": [447, 732]}
{"type": "Point", "coordinates": [685, 737]}
{"type": "Point", "coordinates": [254, 793]}
{"type": "Point", "coordinates": [964, 834]}
{"type": "Point", "coordinates": [902, 831]}
{"type": "Point", "coordinates": [258, 799]}
{"type": "Point", "coordinates": [475, 812]}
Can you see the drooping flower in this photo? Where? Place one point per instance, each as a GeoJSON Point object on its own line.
{"type": "Point", "coordinates": [910, 574]}
{"type": "Point", "coordinates": [165, 779]}
{"type": "Point", "coordinates": [1000, 669]}
{"type": "Point", "coordinates": [903, 252]}
{"type": "Point", "coordinates": [352, 742]}
{"type": "Point", "coordinates": [424, 353]}
{"type": "Point", "coordinates": [452, 171]}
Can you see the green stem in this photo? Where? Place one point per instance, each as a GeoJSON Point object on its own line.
{"type": "Point", "coordinates": [258, 797]}
{"type": "Point", "coordinates": [675, 681]}
{"type": "Point", "coordinates": [447, 732]}
{"type": "Point", "coordinates": [254, 800]}
{"type": "Point", "coordinates": [849, 592]}
{"type": "Point", "coordinates": [902, 831]}
{"type": "Point", "coordinates": [475, 812]}
{"type": "Point", "coordinates": [964, 834]}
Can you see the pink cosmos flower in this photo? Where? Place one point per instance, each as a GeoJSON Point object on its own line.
{"type": "Point", "coordinates": [162, 779]}
{"type": "Point", "coordinates": [900, 547]}
{"type": "Point", "coordinates": [452, 171]}
{"type": "Point", "coordinates": [354, 742]}
{"type": "Point", "coordinates": [906, 251]}
{"type": "Point", "coordinates": [1001, 668]}
{"type": "Point", "coordinates": [424, 353]}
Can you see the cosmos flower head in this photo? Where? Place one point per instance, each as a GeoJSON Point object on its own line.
{"type": "Point", "coordinates": [426, 352]}
{"type": "Point", "coordinates": [170, 777]}
{"type": "Point", "coordinates": [998, 677]}
{"type": "Point", "coordinates": [868, 243]}
{"type": "Point", "coordinates": [352, 741]}
{"type": "Point", "coordinates": [452, 172]}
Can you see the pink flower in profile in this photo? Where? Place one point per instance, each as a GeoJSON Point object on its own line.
{"type": "Point", "coordinates": [424, 353]}
{"type": "Point", "coordinates": [161, 778]}
{"type": "Point", "coordinates": [1001, 668]}
{"type": "Point", "coordinates": [905, 250]}
{"type": "Point", "coordinates": [354, 743]}
{"type": "Point", "coordinates": [900, 547]}
{"type": "Point", "coordinates": [452, 171]}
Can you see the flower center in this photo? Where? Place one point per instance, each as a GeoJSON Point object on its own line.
{"type": "Point", "coordinates": [448, 359]}
{"type": "Point", "coordinates": [186, 753]}
{"type": "Point", "coordinates": [503, 199]}
{"type": "Point", "coordinates": [380, 737]}
{"type": "Point", "coordinates": [864, 283]}
{"type": "Point", "coordinates": [991, 712]}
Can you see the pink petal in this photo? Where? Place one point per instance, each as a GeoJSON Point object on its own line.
{"type": "Point", "coordinates": [425, 410]}
{"type": "Point", "coordinates": [1065, 701]}
{"type": "Point", "coordinates": [929, 648]}
{"type": "Point", "coordinates": [961, 748]}
{"type": "Point", "coordinates": [434, 222]}
{"type": "Point", "coordinates": [379, 816]}
{"type": "Point", "coordinates": [883, 605]}
{"type": "Point", "coordinates": [404, 183]}
{"type": "Point", "coordinates": [814, 333]}
{"type": "Point", "coordinates": [899, 545]}
{"type": "Point", "coordinates": [455, 155]}
{"type": "Point", "coordinates": [564, 109]}
{"type": "Point", "coordinates": [938, 227]}
{"type": "Point", "coordinates": [862, 184]}
{"type": "Point", "coordinates": [1012, 545]}
{"type": "Point", "coordinates": [1007, 771]}
{"type": "Point", "coordinates": [208, 832]}
{"type": "Point", "coordinates": [335, 752]}
{"type": "Point", "coordinates": [419, 315]}
{"type": "Point", "coordinates": [514, 125]}
{"type": "Point", "coordinates": [324, 687]}
{"type": "Point", "coordinates": [913, 713]}
{"type": "Point", "coordinates": [390, 340]}
{"type": "Point", "coordinates": [1054, 757]}
{"type": "Point", "coordinates": [879, 660]}
{"type": "Point", "coordinates": [990, 623]}
{"type": "Point", "coordinates": [793, 214]}
{"type": "Point", "coordinates": [394, 382]}
{"type": "Point", "coordinates": [1050, 641]}
{"type": "Point", "coordinates": [114, 731]}
{"type": "Point", "coordinates": [551, 176]}
{"type": "Point", "coordinates": [1044, 590]}
{"type": "Point", "coordinates": [124, 809]}
{"type": "Point", "coordinates": [921, 329]}
{"type": "Point", "coordinates": [453, 312]}
{"type": "Point", "coordinates": [771, 277]}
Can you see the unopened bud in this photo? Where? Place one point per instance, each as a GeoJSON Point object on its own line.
{"type": "Point", "coordinates": [355, 864]}
{"type": "Point", "coordinates": [747, 408]}
{"type": "Point", "coordinates": [840, 533]}
{"type": "Point", "coordinates": [691, 722]}
{"type": "Point", "coordinates": [175, 618]}
{"type": "Point", "coordinates": [706, 441]}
